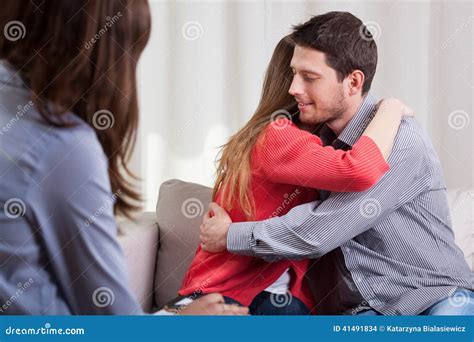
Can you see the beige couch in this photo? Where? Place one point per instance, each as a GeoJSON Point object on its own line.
{"type": "Point", "coordinates": [160, 245]}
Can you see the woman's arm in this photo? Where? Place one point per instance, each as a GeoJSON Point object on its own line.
{"type": "Point", "coordinates": [384, 126]}
{"type": "Point", "coordinates": [290, 155]}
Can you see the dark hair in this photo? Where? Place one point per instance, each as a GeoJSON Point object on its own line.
{"type": "Point", "coordinates": [81, 56]}
{"type": "Point", "coordinates": [345, 40]}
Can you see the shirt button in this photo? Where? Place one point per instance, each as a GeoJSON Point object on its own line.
{"type": "Point", "coordinates": [359, 279]}
{"type": "Point", "coordinates": [371, 302]}
{"type": "Point", "coordinates": [348, 249]}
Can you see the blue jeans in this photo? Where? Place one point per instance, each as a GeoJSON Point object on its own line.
{"type": "Point", "coordinates": [266, 303]}
{"type": "Point", "coordinates": [460, 303]}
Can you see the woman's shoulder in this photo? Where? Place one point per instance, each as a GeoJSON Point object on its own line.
{"type": "Point", "coordinates": [49, 162]}
{"type": "Point", "coordinates": [37, 147]}
{"type": "Point", "coordinates": [80, 136]}
{"type": "Point", "coordinates": [283, 128]}
{"type": "Point", "coordinates": [77, 144]}
{"type": "Point", "coordinates": [281, 124]}
{"type": "Point", "coordinates": [77, 153]}
{"type": "Point", "coordinates": [25, 133]}
{"type": "Point", "coordinates": [283, 133]}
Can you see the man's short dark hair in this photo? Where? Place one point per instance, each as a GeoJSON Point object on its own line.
{"type": "Point", "coordinates": [346, 42]}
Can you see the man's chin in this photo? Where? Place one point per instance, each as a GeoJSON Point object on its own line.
{"type": "Point", "coordinates": [310, 118]}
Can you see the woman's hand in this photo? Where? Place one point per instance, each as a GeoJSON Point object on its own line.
{"type": "Point", "coordinates": [384, 126]}
{"type": "Point", "coordinates": [407, 111]}
{"type": "Point", "coordinates": [393, 105]}
{"type": "Point", "coordinates": [213, 304]}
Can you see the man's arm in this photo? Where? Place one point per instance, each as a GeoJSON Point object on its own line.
{"type": "Point", "coordinates": [313, 229]}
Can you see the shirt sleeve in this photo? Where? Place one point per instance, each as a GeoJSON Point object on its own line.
{"type": "Point", "coordinates": [314, 229]}
{"type": "Point", "coordinates": [74, 209]}
{"type": "Point", "coordinates": [290, 155]}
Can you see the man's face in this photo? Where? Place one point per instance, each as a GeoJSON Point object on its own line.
{"type": "Point", "coordinates": [320, 96]}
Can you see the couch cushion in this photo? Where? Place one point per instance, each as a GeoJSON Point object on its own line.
{"type": "Point", "coordinates": [179, 212]}
{"type": "Point", "coordinates": [139, 241]}
{"type": "Point", "coordinates": [461, 204]}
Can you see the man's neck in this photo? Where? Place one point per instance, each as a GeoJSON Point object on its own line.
{"type": "Point", "coordinates": [338, 125]}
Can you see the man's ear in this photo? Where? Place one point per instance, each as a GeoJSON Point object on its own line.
{"type": "Point", "coordinates": [355, 82]}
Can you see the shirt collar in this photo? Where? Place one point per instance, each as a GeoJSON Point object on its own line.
{"type": "Point", "coordinates": [354, 129]}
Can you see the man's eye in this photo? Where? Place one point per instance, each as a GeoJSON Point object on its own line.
{"type": "Point", "coordinates": [309, 79]}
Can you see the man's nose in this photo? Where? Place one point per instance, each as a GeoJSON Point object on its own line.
{"type": "Point", "coordinates": [295, 88]}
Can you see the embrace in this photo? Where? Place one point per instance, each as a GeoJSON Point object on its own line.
{"type": "Point", "coordinates": [367, 230]}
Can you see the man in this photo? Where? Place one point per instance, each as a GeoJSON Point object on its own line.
{"type": "Point", "coordinates": [389, 250]}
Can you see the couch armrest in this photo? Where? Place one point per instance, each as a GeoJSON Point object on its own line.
{"type": "Point", "coordinates": [139, 241]}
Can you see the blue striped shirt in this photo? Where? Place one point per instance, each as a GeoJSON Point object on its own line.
{"type": "Point", "coordinates": [390, 248]}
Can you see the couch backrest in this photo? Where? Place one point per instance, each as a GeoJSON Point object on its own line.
{"type": "Point", "coordinates": [179, 212]}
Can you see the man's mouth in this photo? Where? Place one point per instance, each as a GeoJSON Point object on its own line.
{"type": "Point", "coordinates": [303, 105]}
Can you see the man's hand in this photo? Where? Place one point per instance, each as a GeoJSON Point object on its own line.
{"type": "Point", "coordinates": [214, 229]}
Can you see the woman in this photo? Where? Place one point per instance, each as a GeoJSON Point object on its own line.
{"type": "Point", "coordinates": [68, 120]}
{"type": "Point", "coordinates": [271, 166]}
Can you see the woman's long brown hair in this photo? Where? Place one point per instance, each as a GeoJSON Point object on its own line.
{"type": "Point", "coordinates": [81, 56]}
{"type": "Point", "coordinates": [234, 166]}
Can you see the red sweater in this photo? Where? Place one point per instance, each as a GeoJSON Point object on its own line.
{"type": "Point", "coordinates": [287, 164]}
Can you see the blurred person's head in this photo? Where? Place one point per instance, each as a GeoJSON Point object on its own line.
{"type": "Point", "coordinates": [334, 63]}
{"type": "Point", "coordinates": [81, 56]}
{"type": "Point", "coordinates": [234, 169]}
